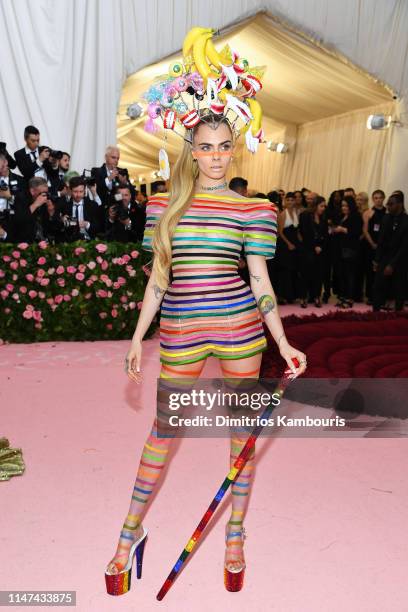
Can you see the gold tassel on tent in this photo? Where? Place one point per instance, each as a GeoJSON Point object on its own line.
{"type": "Point", "coordinates": [11, 460]}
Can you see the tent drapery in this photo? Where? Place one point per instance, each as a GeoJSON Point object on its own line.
{"type": "Point", "coordinates": [329, 154]}
{"type": "Point", "coordinates": [63, 64]}
{"type": "Point", "coordinates": [311, 100]}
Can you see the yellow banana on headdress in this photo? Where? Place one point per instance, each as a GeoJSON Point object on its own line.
{"type": "Point", "coordinates": [253, 130]}
{"type": "Point", "coordinates": [191, 37]}
{"type": "Point", "coordinates": [207, 79]}
{"type": "Point", "coordinates": [200, 58]}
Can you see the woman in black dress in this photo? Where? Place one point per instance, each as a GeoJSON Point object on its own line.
{"type": "Point", "coordinates": [349, 231]}
{"type": "Point", "coordinates": [313, 230]}
{"type": "Point", "coordinates": [288, 251]}
{"type": "Point", "coordinates": [331, 280]}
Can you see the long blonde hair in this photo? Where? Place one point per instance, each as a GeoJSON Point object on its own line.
{"type": "Point", "coordinates": [182, 186]}
{"type": "Point", "coordinates": [181, 191]}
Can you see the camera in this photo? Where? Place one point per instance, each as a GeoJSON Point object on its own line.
{"type": "Point", "coordinates": [6, 212]}
{"type": "Point", "coordinates": [12, 187]}
{"type": "Point", "coordinates": [3, 147]}
{"type": "Point", "coordinates": [54, 154]}
{"type": "Point", "coordinates": [70, 221]}
{"type": "Point", "coordinates": [116, 206]}
{"type": "Point", "coordinates": [90, 180]}
{"type": "Point", "coordinates": [114, 203]}
{"type": "Point", "coordinates": [124, 172]}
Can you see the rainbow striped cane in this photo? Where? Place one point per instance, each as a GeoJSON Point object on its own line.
{"type": "Point", "coordinates": [232, 475]}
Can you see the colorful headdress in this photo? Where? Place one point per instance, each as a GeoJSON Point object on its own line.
{"type": "Point", "coordinates": [206, 82]}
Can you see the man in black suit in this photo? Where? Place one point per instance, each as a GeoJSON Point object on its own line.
{"type": "Point", "coordinates": [10, 185]}
{"type": "Point", "coordinates": [56, 170]}
{"type": "Point", "coordinates": [391, 254]}
{"type": "Point", "coordinates": [125, 221]}
{"type": "Point", "coordinates": [29, 207]}
{"type": "Point", "coordinates": [80, 213]}
{"type": "Point", "coordinates": [14, 181]}
{"type": "Point", "coordinates": [11, 161]}
{"type": "Point", "coordinates": [109, 177]}
{"type": "Point", "coordinates": [32, 160]}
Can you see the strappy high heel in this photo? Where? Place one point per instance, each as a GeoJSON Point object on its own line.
{"type": "Point", "coordinates": [234, 579]}
{"type": "Point", "coordinates": [118, 584]}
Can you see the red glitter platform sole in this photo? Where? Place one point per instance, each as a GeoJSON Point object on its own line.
{"type": "Point", "coordinates": [234, 581]}
{"type": "Point", "coordinates": [118, 584]}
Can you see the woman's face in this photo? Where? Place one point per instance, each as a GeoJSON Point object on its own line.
{"type": "Point", "coordinates": [298, 198]}
{"type": "Point", "coordinates": [337, 197]}
{"type": "Point", "coordinates": [362, 202]}
{"type": "Point", "coordinates": [212, 148]}
{"type": "Point", "coordinates": [321, 208]}
{"type": "Point", "coordinates": [345, 208]}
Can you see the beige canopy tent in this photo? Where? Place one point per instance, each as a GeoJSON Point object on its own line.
{"type": "Point", "coordinates": [314, 100]}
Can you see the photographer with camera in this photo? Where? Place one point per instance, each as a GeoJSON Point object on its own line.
{"type": "Point", "coordinates": [109, 177]}
{"type": "Point", "coordinates": [80, 214]}
{"type": "Point", "coordinates": [92, 190]}
{"type": "Point", "coordinates": [32, 159]}
{"type": "Point", "coordinates": [29, 212]}
{"type": "Point", "coordinates": [11, 161]}
{"type": "Point", "coordinates": [10, 184]}
{"type": "Point", "coordinates": [56, 169]}
{"type": "Point", "coordinates": [122, 223]}
{"type": "Point", "coordinates": [55, 230]}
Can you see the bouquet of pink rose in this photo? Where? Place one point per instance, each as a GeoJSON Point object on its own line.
{"type": "Point", "coordinates": [74, 291]}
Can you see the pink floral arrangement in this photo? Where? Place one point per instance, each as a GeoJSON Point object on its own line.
{"type": "Point", "coordinates": [70, 291]}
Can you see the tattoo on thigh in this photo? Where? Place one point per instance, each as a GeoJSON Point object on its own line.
{"type": "Point", "coordinates": [266, 304]}
{"type": "Point", "coordinates": [257, 278]}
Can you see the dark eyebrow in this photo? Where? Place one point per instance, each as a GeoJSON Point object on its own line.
{"type": "Point", "coordinates": [210, 144]}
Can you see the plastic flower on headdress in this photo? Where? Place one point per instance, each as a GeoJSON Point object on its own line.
{"type": "Point", "coordinates": [207, 80]}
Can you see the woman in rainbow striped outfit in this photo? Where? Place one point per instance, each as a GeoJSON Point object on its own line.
{"type": "Point", "coordinates": [197, 232]}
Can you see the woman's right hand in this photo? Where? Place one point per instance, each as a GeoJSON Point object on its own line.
{"type": "Point", "coordinates": [133, 361]}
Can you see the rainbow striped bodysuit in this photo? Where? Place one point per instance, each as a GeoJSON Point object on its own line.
{"type": "Point", "coordinates": [208, 309]}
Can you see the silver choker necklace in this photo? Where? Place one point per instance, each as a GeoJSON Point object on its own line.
{"type": "Point", "coordinates": [222, 186]}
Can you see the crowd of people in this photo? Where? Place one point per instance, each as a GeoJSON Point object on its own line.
{"type": "Point", "coordinates": [48, 201]}
{"type": "Point", "coordinates": [341, 246]}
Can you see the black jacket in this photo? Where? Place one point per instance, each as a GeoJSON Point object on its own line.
{"type": "Point", "coordinates": [16, 183]}
{"type": "Point", "coordinates": [313, 234]}
{"type": "Point", "coordinates": [25, 225]}
{"type": "Point", "coordinates": [117, 230]}
{"type": "Point", "coordinates": [354, 225]}
{"type": "Point", "coordinates": [90, 214]}
{"type": "Point", "coordinates": [104, 193]}
{"type": "Point", "coordinates": [392, 246]}
{"type": "Point", "coordinates": [27, 166]}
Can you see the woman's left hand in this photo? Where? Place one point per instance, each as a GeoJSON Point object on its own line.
{"type": "Point", "coordinates": [288, 353]}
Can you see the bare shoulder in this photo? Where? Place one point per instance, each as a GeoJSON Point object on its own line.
{"type": "Point", "coordinates": [238, 196]}
{"type": "Point", "coordinates": [159, 195]}
{"type": "Point", "coordinates": [234, 194]}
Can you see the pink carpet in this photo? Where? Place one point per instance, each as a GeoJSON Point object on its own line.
{"type": "Point", "coordinates": [327, 519]}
